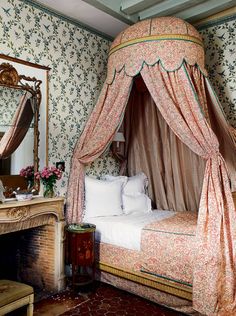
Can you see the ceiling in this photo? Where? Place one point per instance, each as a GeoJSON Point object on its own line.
{"type": "Point", "coordinates": [110, 17]}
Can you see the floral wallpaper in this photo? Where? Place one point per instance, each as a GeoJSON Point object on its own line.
{"type": "Point", "coordinates": [77, 58]}
{"type": "Point", "coordinates": [220, 47]}
{"type": "Point", "coordinates": [11, 98]}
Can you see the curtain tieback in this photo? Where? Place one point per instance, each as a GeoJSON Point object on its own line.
{"type": "Point", "coordinates": [218, 158]}
{"type": "Point", "coordinates": [213, 154]}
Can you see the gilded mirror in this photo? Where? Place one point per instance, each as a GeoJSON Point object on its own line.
{"type": "Point", "coordinates": [23, 117]}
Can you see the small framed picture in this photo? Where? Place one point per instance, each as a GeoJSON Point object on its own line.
{"type": "Point", "coordinates": [60, 165]}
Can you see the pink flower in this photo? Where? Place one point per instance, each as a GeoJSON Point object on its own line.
{"type": "Point", "coordinates": [27, 172]}
{"type": "Point", "coordinates": [49, 175]}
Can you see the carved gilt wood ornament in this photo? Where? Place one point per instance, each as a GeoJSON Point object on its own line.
{"type": "Point", "coordinates": [10, 77]}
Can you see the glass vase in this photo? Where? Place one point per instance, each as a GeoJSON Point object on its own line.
{"type": "Point", "coordinates": [48, 191]}
{"type": "Point", "coordinates": [30, 184]}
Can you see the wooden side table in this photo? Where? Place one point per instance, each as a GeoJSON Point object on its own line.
{"type": "Point", "coordinates": [80, 252]}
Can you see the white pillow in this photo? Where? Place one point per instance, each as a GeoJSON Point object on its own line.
{"type": "Point", "coordinates": [109, 177]}
{"type": "Point", "coordinates": [103, 198]}
{"type": "Point", "coordinates": [135, 184]}
{"type": "Point", "coordinates": [136, 203]}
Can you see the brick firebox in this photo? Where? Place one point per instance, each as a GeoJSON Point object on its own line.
{"type": "Point", "coordinates": [38, 229]}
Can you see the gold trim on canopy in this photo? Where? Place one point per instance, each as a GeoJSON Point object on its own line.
{"type": "Point", "coordinates": [157, 38]}
{"type": "Point", "coordinates": [169, 41]}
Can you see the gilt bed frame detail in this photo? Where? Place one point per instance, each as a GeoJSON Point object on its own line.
{"type": "Point", "coordinates": [155, 282]}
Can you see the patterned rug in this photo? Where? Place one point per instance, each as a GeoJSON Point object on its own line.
{"type": "Point", "coordinates": [102, 300]}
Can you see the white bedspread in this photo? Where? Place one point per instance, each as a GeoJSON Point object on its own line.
{"type": "Point", "coordinates": [125, 230]}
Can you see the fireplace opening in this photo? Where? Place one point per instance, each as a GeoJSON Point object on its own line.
{"type": "Point", "coordinates": [28, 256]}
{"type": "Point", "coordinates": [20, 252]}
{"type": "Point", "coordinates": [32, 243]}
{"type": "Point", "coordinates": [9, 246]}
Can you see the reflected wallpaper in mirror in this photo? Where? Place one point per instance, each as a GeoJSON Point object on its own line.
{"type": "Point", "coordinates": [10, 100]}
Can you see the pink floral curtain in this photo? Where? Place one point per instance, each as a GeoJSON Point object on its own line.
{"type": "Point", "coordinates": [215, 268]}
{"type": "Point", "coordinates": [98, 133]}
{"type": "Point", "coordinates": [217, 120]}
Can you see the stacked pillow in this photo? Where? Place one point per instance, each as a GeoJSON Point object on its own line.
{"type": "Point", "coordinates": [116, 195]}
{"type": "Point", "coordinates": [134, 198]}
{"type": "Point", "coordinates": [103, 198]}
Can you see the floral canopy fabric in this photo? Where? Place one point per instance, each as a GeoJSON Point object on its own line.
{"type": "Point", "coordinates": [168, 53]}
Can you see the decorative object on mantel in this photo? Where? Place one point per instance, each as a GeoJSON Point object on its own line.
{"type": "Point", "coordinates": [28, 174]}
{"type": "Point", "coordinates": [49, 176]}
{"type": "Point", "coordinates": [2, 197]}
{"type": "Point", "coordinates": [24, 196]}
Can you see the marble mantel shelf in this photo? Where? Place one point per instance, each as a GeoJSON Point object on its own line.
{"type": "Point", "coordinates": [18, 211]}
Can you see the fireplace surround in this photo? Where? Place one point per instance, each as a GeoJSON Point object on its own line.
{"type": "Point", "coordinates": [38, 226]}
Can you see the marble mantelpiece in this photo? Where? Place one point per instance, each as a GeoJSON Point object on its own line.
{"type": "Point", "coordinates": [48, 215]}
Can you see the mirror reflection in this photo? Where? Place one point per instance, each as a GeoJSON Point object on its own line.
{"type": "Point", "coordinates": [17, 119]}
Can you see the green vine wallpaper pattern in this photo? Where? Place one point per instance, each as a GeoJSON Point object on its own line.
{"type": "Point", "coordinates": [78, 59]}
{"type": "Point", "coordinates": [11, 98]}
{"type": "Point", "coordinates": [220, 48]}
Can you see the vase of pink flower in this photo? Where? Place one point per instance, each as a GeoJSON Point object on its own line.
{"type": "Point", "coordinates": [28, 174]}
{"type": "Point", "coordinates": [49, 176]}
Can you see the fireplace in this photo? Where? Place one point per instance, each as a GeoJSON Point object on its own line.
{"type": "Point", "coordinates": [32, 243]}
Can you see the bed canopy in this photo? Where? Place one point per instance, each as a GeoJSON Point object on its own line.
{"type": "Point", "coordinates": [168, 54]}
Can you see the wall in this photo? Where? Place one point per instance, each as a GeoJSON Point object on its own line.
{"type": "Point", "coordinates": [220, 47]}
{"type": "Point", "coordinates": [77, 58]}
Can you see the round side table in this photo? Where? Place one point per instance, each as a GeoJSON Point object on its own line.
{"type": "Point", "coordinates": [80, 252]}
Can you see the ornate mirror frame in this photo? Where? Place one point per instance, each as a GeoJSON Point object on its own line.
{"type": "Point", "coordinates": [12, 78]}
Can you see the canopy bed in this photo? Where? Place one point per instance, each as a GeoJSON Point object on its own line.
{"type": "Point", "coordinates": [167, 54]}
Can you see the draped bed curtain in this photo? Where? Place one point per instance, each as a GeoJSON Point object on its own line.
{"type": "Point", "coordinates": [175, 173]}
{"type": "Point", "coordinates": [216, 218]}
{"type": "Point", "coordinates": [178, 89]}
{"type": "Point", "coordinates": [97, 135]}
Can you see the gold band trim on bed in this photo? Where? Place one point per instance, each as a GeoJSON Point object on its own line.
{"type": "Point", "coordinates": [148, 280]}
{"type": "Point", "coordinates": [186, 38]}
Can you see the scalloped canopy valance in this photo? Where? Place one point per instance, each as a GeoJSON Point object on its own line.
{"type": "Point", "coordinates": [169, 40]}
